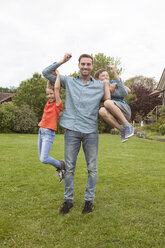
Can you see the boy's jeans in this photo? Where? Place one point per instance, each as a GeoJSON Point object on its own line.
{"type": "Point", "coordinates": [73, 141]}
{"type": "Point", "coordinates": [45, 141]}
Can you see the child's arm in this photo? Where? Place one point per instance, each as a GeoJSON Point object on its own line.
{"type": "Point", "coordinates": [57, 88]}
{"type": "Point", "coordinates": [114, 72]}
{"type": "Point", "coordinates": [107, 95]}
{"type": "Point", "coordinates": [120, 89]}
{"type": "Point", "coordinates": [113, 87]}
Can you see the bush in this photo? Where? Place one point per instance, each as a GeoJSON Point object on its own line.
{"type": "Point", "coordinates": [114, 131]}
{"type": "Point", "coordinates": [162, 129]}
{"type": "Point", "coordinates": [7, 111]}
{"type": "Point", "coordinates": [17, 119]}
{"type": "Point", "coordinates": [25, 120]}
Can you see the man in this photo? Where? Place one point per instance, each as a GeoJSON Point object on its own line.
{"type": "Point", "coordinates": [79, 118]}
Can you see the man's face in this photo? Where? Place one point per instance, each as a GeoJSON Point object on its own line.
{"type": "Point", "coordinates": [85, 66]}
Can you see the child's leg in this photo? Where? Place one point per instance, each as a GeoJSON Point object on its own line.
{"type": "Point", "coordinates": [108, 118]}
{"type": "Point", "coordinates": [39, 143]}
{"type": "Point", "coordinates": [47, 138]}
{"type": "Point", "coordinates": [115, 111]}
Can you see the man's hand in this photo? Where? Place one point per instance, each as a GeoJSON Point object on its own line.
{"type": "Point", "coordinates": [67, 57]}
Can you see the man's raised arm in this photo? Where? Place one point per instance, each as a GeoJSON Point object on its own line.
{"type": "Point", "coordinates": [48, 71]}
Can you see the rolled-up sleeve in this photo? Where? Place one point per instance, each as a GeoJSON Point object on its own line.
{"type": "Point", "coordinates": [47, 73]}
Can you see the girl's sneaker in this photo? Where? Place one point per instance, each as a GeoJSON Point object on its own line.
{"type": "Point", "coordinates": [61, 171]}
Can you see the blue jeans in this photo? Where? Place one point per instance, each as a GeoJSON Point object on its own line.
{"type": "Point", "coordinates": [45, 141]}
{"type": "Point", "coordinates": [73, 141]}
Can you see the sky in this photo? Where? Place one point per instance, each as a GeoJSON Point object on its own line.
{"type": "Point", "coordinates": [36, 33]}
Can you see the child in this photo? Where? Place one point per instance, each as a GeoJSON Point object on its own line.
{"type": "Point", "coordinates": [48, 126]}
{"type": "Point", "coordinates": [116, 111]}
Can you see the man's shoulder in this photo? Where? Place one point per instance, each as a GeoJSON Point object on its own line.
{"type": "Point", "coordinates": [99, 82]}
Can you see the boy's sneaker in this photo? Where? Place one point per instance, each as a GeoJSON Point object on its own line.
{"type": "Point", "coordinates": [123, 139]}
{"type": "Point", "coordinates": [66, 207]}
{"type": "Point", "coordinates": [88, 207]}
{"type": "Point", "coordinates": [129, 131]}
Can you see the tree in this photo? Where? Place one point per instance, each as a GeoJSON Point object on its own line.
{"type": "Point", "coordinates": [101, 61]}
{"type": "Point", "coordinates": [140, 101]}
{"type": "Point", "coordinates": [8, 90]}
{"type": "Point", "coordinates": [32, 92]}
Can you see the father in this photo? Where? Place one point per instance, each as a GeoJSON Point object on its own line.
{"type": "Point", "coordinates": [79, 118]}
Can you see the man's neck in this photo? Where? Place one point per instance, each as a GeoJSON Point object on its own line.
{"type": "Point", "coordinates": [85, 79]}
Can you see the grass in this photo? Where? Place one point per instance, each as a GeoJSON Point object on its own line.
{"type": "Point", "coordinates": [129, 203]}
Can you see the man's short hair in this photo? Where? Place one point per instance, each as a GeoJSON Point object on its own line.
{"type": "Point", "coordinates": [98, 72]}
{"type": "Point", "coordinates": [85, 56]}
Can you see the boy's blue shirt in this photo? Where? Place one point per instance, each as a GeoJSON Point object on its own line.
{"type": "Point", "coordinates": [81, 101]}
{"type": "Point", "coordinates": [120, 91]}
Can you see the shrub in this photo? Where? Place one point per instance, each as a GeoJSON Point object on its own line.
{"type": "Point", "coordinates": [17, 119]}
{"type": "Point", "coordinates": [114, 131]}
{"type": "Point", "coordinates": [162, 129]}
{"type": "Point", "coordinates": [25, 120]}
{"type": "Point", "coordinates": [7, 111]}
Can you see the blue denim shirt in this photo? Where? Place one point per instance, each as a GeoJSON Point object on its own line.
{"type": "Point", "coordinates": [81, 101]}
{"type": "Point", "coordinates": [120, 91]}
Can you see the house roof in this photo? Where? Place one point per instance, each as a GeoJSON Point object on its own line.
{"type": "Point", "coordinates": [5, 96]}
{"type": "Point", "coordinates": [161, 85]}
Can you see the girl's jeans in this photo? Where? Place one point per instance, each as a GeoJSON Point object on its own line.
{"type": "Point", "coordinates": [73, 141]}
{"type": "Point", "coordinates": [45, 141]}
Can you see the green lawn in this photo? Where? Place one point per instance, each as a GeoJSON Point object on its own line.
{"type": "Point", "coordinates": [129, 207]}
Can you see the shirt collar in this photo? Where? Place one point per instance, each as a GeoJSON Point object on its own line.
{"type": "Point", "coordinates": [91, 78]}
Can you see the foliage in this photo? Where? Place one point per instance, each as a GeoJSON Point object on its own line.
{"type": "Point", "coordinates": [7, 110]}
{"type": "Point", "coordinates": [148, 83]}
{"type": "Point", "coordinates": [32, 92]}
{"type": "Point", "coordinates": [158, 119]}
{"type": "Point", "coordinates": [24, 119]}
{"type": "Point", "coordinates": [162, 129]}
{"type": "Point", "coordinates": [102, 61]}
{"type": "Point", "coordinates": [16, 119]}
{"type": "Point", "coordinates": [128, 207]}
{"type": "Point", "coordinates": [114, 131]}
{"type": "Point", "coordinates": [140, 101]}
{"type": "Point", "coordinates": [8, 90]}
{"type": "Point", "coordinates": [162, 112]}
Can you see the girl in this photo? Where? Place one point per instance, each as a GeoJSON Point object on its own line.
{"type": "Point", "coordinates": [48, 126]}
